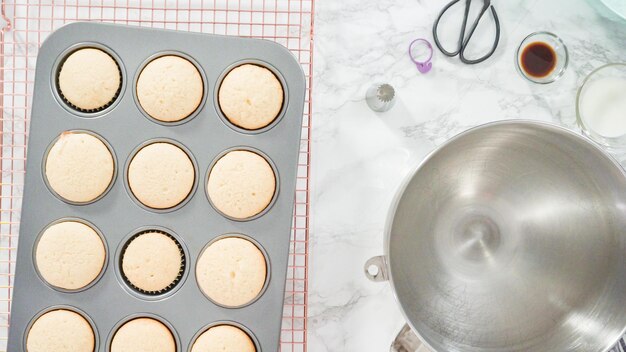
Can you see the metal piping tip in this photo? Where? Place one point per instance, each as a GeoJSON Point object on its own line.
{"type": "Point", "coordinates": [380, 97]}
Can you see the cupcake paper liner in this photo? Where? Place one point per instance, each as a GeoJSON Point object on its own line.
{"type": "Point", "coordinates": [183, 265]}
{"type": "Point", "coordinates": [88, 111]}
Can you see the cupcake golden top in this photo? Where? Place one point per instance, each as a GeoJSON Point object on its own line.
{"type": "Point", "coordinates": [60, 331]}
{"type": "Point", "coordinates": [161, 175]}
{"type": "Point", "coordinates": [143, 335]}
{"type": "Point", "coordinates": [152, 262]}
{"type": "Point", "coordinates": [170, 88]}
{"type": "Point", "coordinates": [231, 271]}
{"type": "Point", "coordinates": [250, 96]}
{"type": "Point", "coordinates": [79, 167]}
{"type": "Point", "coordinates": [89, 79]}
{"type": "Point", "coordinates": [241, 184]}
{"type": "Point", "coordinates": [223, 338]}
{"type": "Point", "coordinates": [70, 255]}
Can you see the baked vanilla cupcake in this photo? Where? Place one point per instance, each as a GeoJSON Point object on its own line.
{"type": "Point", "coordinates": [89, 79]}
{"type": "Point", "coordinates": [60, 330]}
{"type": "Point", "coordinates": [161, 175]}
{"type": "Point", "coordinates": [70, 255]}
{"type": "Point", "coordinates": [170, 88]}
{"type": "Point", "coordinates": [143, 335]}
{"type": "Point", "coordinates": [152, 262]}
{"type": "Point", "coordinates": [250, 96]}
{"type": "Point", "coordinates": [223, 338]}
{"type": "Point", "coordinates": [241, 184]}
{"type": "Point", "coordinates": [79, 167]}
{"type": "Point", "coordinates": [231, 271]}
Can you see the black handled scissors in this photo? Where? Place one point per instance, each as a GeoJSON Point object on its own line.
{"type": "Point", "coordinates": [463, 39]}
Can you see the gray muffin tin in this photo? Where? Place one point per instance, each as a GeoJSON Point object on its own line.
{"type": "Point", "coordinates": [124, 126]}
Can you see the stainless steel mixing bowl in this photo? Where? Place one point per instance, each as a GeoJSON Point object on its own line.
{"type": "Point", "coordinates": [511, 237]}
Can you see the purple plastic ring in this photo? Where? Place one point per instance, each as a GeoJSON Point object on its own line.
{"type": "Point", "coordinates": [422, 66]}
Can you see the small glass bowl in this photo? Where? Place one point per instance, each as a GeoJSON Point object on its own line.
{"type": "Point", "coordinates": [562, 56]}
{"type": "Point", "coordinates": [610, 134]}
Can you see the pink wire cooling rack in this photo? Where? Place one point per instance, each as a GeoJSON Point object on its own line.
{"type": "Point", "coordinates": [26, 23]}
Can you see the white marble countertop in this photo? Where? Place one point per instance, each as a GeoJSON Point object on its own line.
{"type": "Point", "coordinates": [360, 157]}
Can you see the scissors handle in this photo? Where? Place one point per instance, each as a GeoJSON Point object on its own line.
{"type": "Point", "coordinates": [463, 39]}
{"type": "Point", "coordinates": [465, 60]}
{"type": "Point", "coordinates": [462, 34]}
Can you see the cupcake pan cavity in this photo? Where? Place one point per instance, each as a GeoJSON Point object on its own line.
{"type": "Point", "coordinates": [151, 295]}
{"type": "Point", "coordinates": [58, 64]}
{"type": "Point", "coordinates": [176, 144]}
{"type": "Point", "coordinates": [218, 323]}
{"type": "Point", "coordinates": [248, 149]}
{"type": "Point", "coordinates": [202, 76]}
{"type": "Point", "coordinates": [117, 216]}
{"type": "Point", "coordinates": [84, 222]}
{"type": "Point", "coordinates": [45, 159]}
{"type": "Point", "coordinates": [276, 73]}
{"type": "Point", "coordinates": [21, 345]}
{"type": "Point", "coordinates": [160, 319]}
{"type": "Point", "coordinates": [268, 266]}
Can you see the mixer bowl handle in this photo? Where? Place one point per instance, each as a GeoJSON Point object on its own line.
{"type": "Point", "coordinates": [376, 269]}
{"type": "Point", "coordinates": [407, 341]}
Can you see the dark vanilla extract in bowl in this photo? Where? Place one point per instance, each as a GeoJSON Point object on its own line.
{"type": "Point", "coordinates": [538, 59]}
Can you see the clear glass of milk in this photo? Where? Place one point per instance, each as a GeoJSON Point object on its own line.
{"type": "Point", "coordinates": [601, 106]}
